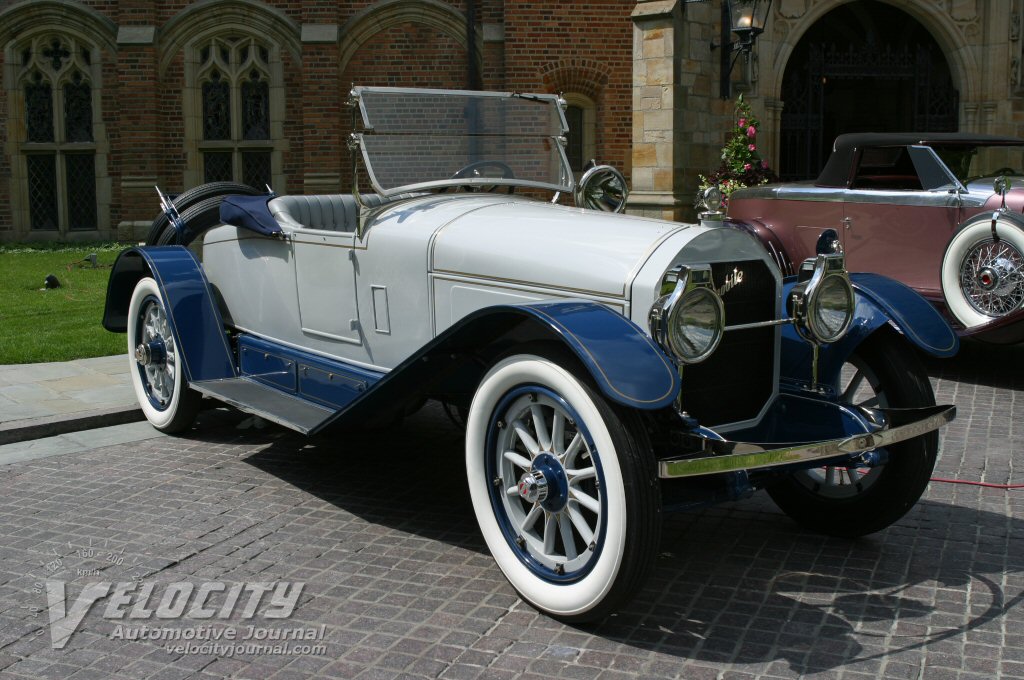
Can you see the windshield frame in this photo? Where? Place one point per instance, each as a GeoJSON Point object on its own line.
{"type": "Point", "coordinates": [554, 141]}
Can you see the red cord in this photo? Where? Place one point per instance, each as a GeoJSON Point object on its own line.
{"type": "Point", "coordinates": [984, 484]}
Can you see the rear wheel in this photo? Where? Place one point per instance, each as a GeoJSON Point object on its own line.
{"type": "Point", "coordinates": [156, 364]}
{"type": "Point", "coordinates": [563, 488]}
{"type": "Point", "coordinates": [854, 501]}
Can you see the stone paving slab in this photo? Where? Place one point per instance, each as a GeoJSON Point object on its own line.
{"type": "Point", "coordinates": [379, 528]}
{"type": "Point", "coordinates": [63, 388]}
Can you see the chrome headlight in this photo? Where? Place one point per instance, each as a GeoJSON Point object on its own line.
{"type": "Point", "coordinates": [688, 319]}
{"type": "Point", "coordinates": [822, 306]}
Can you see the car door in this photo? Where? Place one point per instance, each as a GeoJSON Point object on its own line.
{"type": "Point", "coordinates": [325, 282]}
{"type": "Point", "coordinates": [899, 215]}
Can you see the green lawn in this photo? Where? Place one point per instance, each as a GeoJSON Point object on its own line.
{"type": "Point", "coordinates": [59, 324]}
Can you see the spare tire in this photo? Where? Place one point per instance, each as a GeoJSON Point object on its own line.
{"type": "Point", "coordinates": [983, 277]}
{"type": "Point", "coordinates": [158, 231]}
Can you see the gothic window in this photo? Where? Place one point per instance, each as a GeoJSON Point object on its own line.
{"type": "Point", "coordinates": [234, 78]}
{"type": "Point", "coordinates": [58, 147]}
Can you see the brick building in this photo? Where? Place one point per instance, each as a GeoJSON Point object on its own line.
{"type": "Point", "coordinates": [102, 99]}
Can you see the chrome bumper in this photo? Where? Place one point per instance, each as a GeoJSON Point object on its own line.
{"type": "Point", "coordinates": [893, 425]}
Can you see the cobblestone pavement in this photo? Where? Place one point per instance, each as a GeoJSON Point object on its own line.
{"type": "Point", "coordinates": [379, 527]}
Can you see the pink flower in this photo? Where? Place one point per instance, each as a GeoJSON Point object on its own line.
{"type": "Point", "coordinates": [751, 147]}
{"type": "Point", "coordinates": [742, 123]}
{"type": "Point", "coordinates": [751, 131]}
{"type": "Point", "coordinates": [746, 166]}
{"type": "Point", "coordinates": [764, 164]}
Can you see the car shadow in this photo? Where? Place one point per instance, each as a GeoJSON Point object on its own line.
{"type": "Point", "coordinates": [980, 363]}
{"type": "Point", "coordinates": [735, 583]}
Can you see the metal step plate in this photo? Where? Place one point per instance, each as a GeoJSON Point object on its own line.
{"type": "Point", "coordinates": [266, 402]}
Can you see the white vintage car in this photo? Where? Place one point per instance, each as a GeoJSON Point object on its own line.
{"type": "Point", "coordinates": [608, 367]}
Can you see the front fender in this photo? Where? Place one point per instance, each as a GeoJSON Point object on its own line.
{"type": "Point", "coordinates": [881, 301]}
{"type": "Point", "coordinates": [623, 361]}
{"type": "Point", "coordinates": [195, 321]}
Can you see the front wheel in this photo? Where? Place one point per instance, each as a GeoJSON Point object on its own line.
{"type": "Point", "coordinates": [852, 501]}
{"type": "Point", "coordinates": [563, 488]}
{"type": "Point", "coordinates": [982, 278]}
{"type": "Point", "coordinates": [155, 364]}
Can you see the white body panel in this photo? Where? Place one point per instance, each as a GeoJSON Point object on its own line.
{"type": "Point", "coordinates": [425, 263]}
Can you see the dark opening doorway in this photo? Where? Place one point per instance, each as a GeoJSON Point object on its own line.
{"type": "Point", "coordinates": [863, 67]}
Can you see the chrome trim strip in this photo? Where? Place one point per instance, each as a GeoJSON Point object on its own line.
{"type": "Point", "coordinates": [725, 456]}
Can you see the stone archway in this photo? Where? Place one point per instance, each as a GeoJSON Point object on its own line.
{"type": "Point", "coordinates": [863, 66]}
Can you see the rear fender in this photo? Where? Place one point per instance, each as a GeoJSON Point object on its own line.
{"type": "Point", "coordinates": [623, 361]}
{"type": "Point", "coordinates": [195, 321]}
{"type": "Point", "coordinates": [881, 302]}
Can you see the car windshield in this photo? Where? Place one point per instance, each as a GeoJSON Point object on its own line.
{"type": "Point", "coordinates": [970, 163]}
{"type": "Point", "coordinates": [413, 140]}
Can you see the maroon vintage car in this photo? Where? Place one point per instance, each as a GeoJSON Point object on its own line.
{"type": "Point", "coordinates": [936, 211]}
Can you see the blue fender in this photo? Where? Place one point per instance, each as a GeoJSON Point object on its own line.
{"type": "Point", "coordinates": [195, 321]}
{"type": "Point", "coordinates": [880, 301]}
{"type": "Point", "coordinates": [626, 364]}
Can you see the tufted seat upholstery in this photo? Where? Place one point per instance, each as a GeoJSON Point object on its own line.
{"type": "Point", "coordinates": [333, 212]}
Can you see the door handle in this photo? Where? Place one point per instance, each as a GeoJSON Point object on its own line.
{"type": "Point", "coordinates": [846, 222]}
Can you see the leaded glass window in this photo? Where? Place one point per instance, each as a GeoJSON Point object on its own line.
{"type": "Point", "coordinates": [80, 171]}
{"type": "Point", "coordinates": [38, 109]}
{"type": "Point", "coordinates": [42, 190]}
{"type": "Point", "coordinates": [57, 144]}
{"type": "Point", "coordinates": [234, 88]}
{"type": "Point", "coordinates": [217, 166]}
{"type": "Point", "coordinates": [255, 107]}
{"type": "Point", "coordinates": [77, 109]}
{"type": "Point", "coordinates": [256, 168]}
{"type": "Point", "coordinates": [216, 108]}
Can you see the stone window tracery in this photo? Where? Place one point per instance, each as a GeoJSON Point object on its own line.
{"type": "Point", "coordinates": [234, 83]}
{"type": "Point", "coordinates": [58, 147]}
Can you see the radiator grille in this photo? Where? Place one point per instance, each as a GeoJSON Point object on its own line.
{"type": "Point", "coordinates": [738, 379]}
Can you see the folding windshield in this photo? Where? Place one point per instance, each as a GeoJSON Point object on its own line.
{"type": "Point", "coordinates": [421, 139]}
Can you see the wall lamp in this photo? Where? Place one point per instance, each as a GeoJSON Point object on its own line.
{"type": "Point", "coordinates": [745, 18]}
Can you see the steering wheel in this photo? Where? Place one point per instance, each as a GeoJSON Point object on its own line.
{"type": "Point", "coordinates": [475, 169]}
{"type": "Point", "coordinates": [1005, 171]}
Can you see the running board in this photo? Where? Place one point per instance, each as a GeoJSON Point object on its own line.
{"type": "Point", "coordinates": [266, 402]}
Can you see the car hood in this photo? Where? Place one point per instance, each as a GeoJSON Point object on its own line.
{"type": "Point", "coordinates": [558, 247]}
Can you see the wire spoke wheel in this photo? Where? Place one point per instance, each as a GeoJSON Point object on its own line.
{"type": "Point", "coordinates": [992, 277]}
{"type": "Point", "coordinates": [983, 277]}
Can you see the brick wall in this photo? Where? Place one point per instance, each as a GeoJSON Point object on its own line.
{"type": "Point", "coordinates": [582, 47]}
{"type": "Point", "coordinates": [527, 46]}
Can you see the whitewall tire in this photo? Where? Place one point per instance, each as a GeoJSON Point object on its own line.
{"type": "Point", "coordinates": [563, 489]}
{"type": "Point", "coordinates": [155, 364]}
{"type": "Point", "coordinates": [982, 279]}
